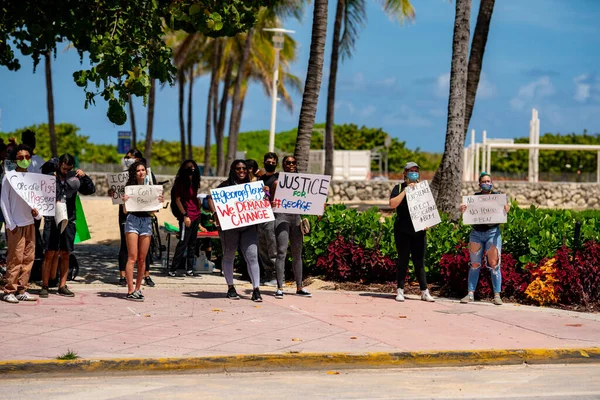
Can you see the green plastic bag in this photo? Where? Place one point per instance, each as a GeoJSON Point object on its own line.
{"type": "Point", "coordinates": [82, 232]}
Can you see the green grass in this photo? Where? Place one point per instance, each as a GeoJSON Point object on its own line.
{"type": "Point", "coordinates": [69, 355]}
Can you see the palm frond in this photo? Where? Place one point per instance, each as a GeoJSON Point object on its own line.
{"type": "Point", "coordinates": [355, 17]}
{"type": "Point", "coordinates": [399, 9]}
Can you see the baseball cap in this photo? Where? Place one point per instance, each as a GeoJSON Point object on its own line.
{"type": "Point", "coordinates": [411, 164]}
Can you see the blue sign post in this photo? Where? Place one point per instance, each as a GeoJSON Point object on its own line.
{"type": "Point", "coordinates": [123, 142]}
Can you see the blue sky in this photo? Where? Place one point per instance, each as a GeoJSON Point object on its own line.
{"type": "Point", "coordinates": [540, 53]}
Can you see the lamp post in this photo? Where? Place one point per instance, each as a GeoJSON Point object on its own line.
{"type": "Point", "coordinates": [277, 45]}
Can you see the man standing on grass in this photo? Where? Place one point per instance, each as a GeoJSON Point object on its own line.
{"type": "Point", "coordinates": [20, 232]}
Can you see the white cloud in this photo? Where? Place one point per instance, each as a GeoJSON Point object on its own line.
{"type": "Point", "coordinates": [442, 85]}
{"type": "Point", "coordinates": [532, 92]}
{"type": "Point", "coordinates": [406, 116]}
{"type": "Point", "coordinates": [582, 88]}
{"type": "Point", "coordinates": [368, 111]}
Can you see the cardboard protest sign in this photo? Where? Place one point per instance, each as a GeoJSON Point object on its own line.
{"type": "Point", "coordinates": [38, 190]}
{"type": "Point", "coordinates": [484, 209]}
{"type": "Point", "coordinates": [421, 205]}
{"type": "Point", "coordinates": [301, 193]}
{"type": "Point", "coordinates": [241, 205]}
{"type": "Point", "coordinates": [143, 198]}
{"type": "Point", "coordinates": [117, 182]}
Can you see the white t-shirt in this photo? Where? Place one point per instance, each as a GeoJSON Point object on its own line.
{"type": "Point", "coordinates": [36, 164]}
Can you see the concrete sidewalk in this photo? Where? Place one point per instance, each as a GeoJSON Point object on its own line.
{"type": "Point", "coordinates": [196, 320]}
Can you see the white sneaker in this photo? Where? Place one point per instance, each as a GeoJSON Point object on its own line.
{"type": "Point", "coordinates": [25, 297]}
{"type": "Point", "coordinates": [10, 298]}
{"type": "Point", "coordinates": [425, 296]}
{"type": "Point", "coordinates": [400, 295]}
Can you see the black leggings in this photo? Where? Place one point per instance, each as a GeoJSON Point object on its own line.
{"type": "Point", "coordinates": [189, 243]}
{"type": "Point", "coordinates": [408, 244]}
{"type": "Point", "coordinates": [123, 250]}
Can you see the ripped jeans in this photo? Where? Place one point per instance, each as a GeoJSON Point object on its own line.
{"type": "Point", "coordinates": [485, 240]}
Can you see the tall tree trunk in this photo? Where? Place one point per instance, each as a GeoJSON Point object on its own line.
{"type": "Point", "coordinates": [221, 166]}
{"type": "Point", "coordinates": [181, 82]}
{"type": "Point", "coordinates": [480, 36]}
{"type": "Point", "coordinates": [50, 105]}
{"type": "Point", "coordinates": [446, 184]}
{"type": "Point", "coordinates": [214, 84]}
{"type": "Point", "coordinates": [133, 128]}
{"type": "Point", "coordinates": [310, 98]}
{"type": "Point", "coordinates": [333, 68]}
{"type": "Point", "coordinates": [239, 113]}
{"type": "Point", "coordinates": [150, 122]}
{"type": "Point", "coordinates": [236, 99]}
{"type": "Point", "coordinates": [189, 121]}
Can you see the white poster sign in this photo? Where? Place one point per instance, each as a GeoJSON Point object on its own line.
{"type": "Point", "coordinates": [117, 182]}
{"type": "Point", "coordinates": [421, 205]}
{"type": "Point", "coordinates": [61, 217]}
{"type": "Point", "coordinates": [301, 193]}
{"type": "Point", "coordinates": [484, 209]}
{"type": "Point", "coordinates": [38, 190]}
{"type": "Point", "coordinates": [241, 205]}
{"type": "Point", "coordinates": [143, 198]}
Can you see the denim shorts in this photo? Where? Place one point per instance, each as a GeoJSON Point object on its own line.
{"type": "Point", "coordinates": [139, 225]}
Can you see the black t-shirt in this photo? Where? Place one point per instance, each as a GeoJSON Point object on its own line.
{"type": "Point", "coordinates": [403, 219]}
{"type": "Point", "coordinates": [484, 227]}
{"type": "Point", "coordinates": [268, 180]}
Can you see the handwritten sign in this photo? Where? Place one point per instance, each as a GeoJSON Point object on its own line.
{"type": "Point", "coordinates": [38, 190]}
{"type": "Point", "coordinates": [422, 208]}
{"type": "Point", "coordinates": [143, 198]}
{"type": "Point", "coordinates": [484, 209]}
{"type": "Point", "coordinates": [301, 193]}
{"type": "Point", "coordinates": [117, 182]}
{"type": "Point", "coordinates": [241, 205]}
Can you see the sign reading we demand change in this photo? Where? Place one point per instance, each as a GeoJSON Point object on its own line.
{"type": "Point", "coordinates": [38, 190]}
{"type": "Point", "coordinates": [421, 206]}
{"type": "Point", "coordinates": [241, 205]}
{"type": "Point", "coordinates": [301, 193]}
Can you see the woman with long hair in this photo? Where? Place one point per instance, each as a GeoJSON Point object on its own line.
{"type": "Point", "coordinates": [138, 231]}
{"type": "Point", "coordinates": [288, 232]}
{"type": "Point", "coordinates": [245, 238]}
{"type": "Point", "coordinates": [408, 242]}
{"type": "Point", "coordinates": [187, 209]}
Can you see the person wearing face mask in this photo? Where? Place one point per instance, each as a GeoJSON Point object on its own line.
{"type": "Point", "coordinates": [245, 238]}
{"type": "Point", "coordinates": [267, 242]}
{"type": "Point", "coordinates": [186, 207]}
{"type": "Point", "coordinates": [485, 237]}
{"type": "Point", "coordinates": [20, 233]}
{"type": "Point", "coordinates": [61, 244]}
{"type": "Point", "coordinates": [408, 242]}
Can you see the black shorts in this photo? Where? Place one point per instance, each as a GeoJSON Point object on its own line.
{"type": "Point", "coordinates": [55, 240]}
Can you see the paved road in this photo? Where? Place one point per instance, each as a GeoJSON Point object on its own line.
{"type": "Point", "coordinates": [509, 382]}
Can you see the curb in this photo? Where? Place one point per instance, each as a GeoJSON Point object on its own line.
{"type": "Point", "coordinates": [303, 361]}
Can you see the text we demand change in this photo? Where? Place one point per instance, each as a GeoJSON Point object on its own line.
{"type": "Point", "coordinates": [241, 205]}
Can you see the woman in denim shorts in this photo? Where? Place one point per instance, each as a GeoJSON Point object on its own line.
{"type": "Point", "coordinates": [485, 237]}
{"type": "Point", "coordinates": [138, 232]}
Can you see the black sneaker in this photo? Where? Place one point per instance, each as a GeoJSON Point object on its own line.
{"type": "Point", "coordinates": [135, 296]}
{"type": "Point", "coordinates": [256, 295]}
{"type": "Point", "coordinates": [279, 294]}
{"type": "Point", "coordinates": [44, 292]}
{"type": "Point", "coordinates": [172, 274]}
{"type": "Point", "coordinates": [232, 294]}
{"type": "Point", "coordinates": [122, 281]}
{"type": "Point", "coordinates": [302, 292]}
{"type": "Point", "coordinates": [149, 282]}
{"type": "Point", "coordinates": [64, 291]}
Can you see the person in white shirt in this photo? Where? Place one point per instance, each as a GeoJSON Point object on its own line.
{"type": "Point", "coordinates": [20, 232]}
{"type": "Point", "coordinates": [28, 138]}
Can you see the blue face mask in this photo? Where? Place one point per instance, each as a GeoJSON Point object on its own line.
{"type": "Point", "coordinates": [413, 176]}
{"type": "Point", "coordinates": [486, 187]}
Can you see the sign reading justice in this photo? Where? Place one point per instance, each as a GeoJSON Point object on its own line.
{"type": "Point", "coordinates": [241, 205]}
{"type": "Point", "coordinates": [301, 193]}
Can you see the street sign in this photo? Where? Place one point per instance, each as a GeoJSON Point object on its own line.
{"type": "Point", "coordinates": [123, 142]}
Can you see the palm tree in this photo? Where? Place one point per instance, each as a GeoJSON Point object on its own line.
{"type": "Point", "coordinates": [189, 120]}
{"type": "Point", "coordinates": [133, 128]}
{"type": "Point", "coordinates": [219, 133]}
{"type": "Point", "coordinates": [446, 184]}
{"type": "Point", "coordinates": [212, 94]}
{"type": "Point", "coordinates": [50, 105]}
{"type": "Point", "coordinates": [150, 121]}
{"type": "Point", "coordinates": [181, 85]}
{"type": "Point", "coordinates": [314, 74]}
{"type": "Point", "coordinates": [352, 14]}
{"type": "Point", "coordinates": [480, 36]}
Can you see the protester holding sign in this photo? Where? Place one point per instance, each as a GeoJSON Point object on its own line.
{"type": "Point", "coordinates": [288, 232]}
{"type": "Point", "coordinates": [186, 207]}
{"type": "Point", "coordinates": [245, 236]}
{"type": "Point", "coordinates": [485, 237]}
{"type": "Point", "coordinates": [60, 244]}
{"type": "Point", "coordinates": [138, 230]}
{"type": "Point", "coordinates": [20, 233]}
{"type": "Point", "coordinates": [408, 242]}
{"type": "Point", "coordinates": [267, 243]}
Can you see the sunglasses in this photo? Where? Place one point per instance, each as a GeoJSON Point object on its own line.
{"type": "Point", "coordinates": [290, 163]}
{"type": "Point", "coordinates": [21, 158]}
{"type": "Point", "coordinates": [241, 169]}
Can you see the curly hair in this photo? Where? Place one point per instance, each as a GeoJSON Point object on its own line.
{"type": "Point", "coordinates": [132, 180]}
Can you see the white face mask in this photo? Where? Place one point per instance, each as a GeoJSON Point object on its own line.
{"type": "Point", "coordinates": [127, 162]}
